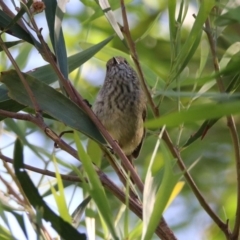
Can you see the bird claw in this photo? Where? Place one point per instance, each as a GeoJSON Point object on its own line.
{"type": "Point", "coordinates": [110, 148]}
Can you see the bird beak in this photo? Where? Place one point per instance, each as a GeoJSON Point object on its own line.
{"type": "Point", "coordinates": [116, 61]}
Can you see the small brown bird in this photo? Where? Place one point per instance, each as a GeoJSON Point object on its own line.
{"type": "Point", "coordinates": [121, 106]}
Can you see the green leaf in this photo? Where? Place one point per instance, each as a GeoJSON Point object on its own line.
{"type": "Point", "coordinates": [47, 75]}
{"type": "Point", "coordinates": [230, 17]}
{"type": "Point", "coordinates": [192, 41]}
{"type": "Point", "coordinates": [106, 8]}
{"type": "Point", "coordinates": [14, 126]}
{"type": "Point", "coordinates": [108, 52]}
{"type": "Point", "coordinates": [5, 234]}
{"type": "Point", "coordinates": [98, 12]}
{"type": "Point", "coordinates": [60, 197]}
{"type": "Point", "coordinates": [11, 44]}
{"type": "Point", "coordinates": [63, 228]}
{"type": "Point", "coordinates": [201, 131]}
{"type": "Point", "coordinates": [16, 30]}
{"type": "Point", "coordinates": [52, 102]}
{"type": "Point", "coordinates": [96, 189]}
{"type": "Point", "coordinates": [155, 19]}
{"type": "Point", "coordinates": [155, 198]}
{"type": "Point", "coordinates": [172, 21]}
{"type": "Point", "coordinates": [195, 113]}
{"type": "Point", "coordinates": [78, 212]}
{"type": "Point", "coordinates": [54, 16]}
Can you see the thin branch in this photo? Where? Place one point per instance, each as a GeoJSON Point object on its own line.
{"type": "Point", "coordinates": [230, 123]}
{"type": "Point", "coordinates": [163, 231]}
{"type": "Point", "coordinates": [25, 199]}
{"type": "Point", "coordinates": [6, 9]}
{"type": "Point", "coordinates": [166, 136]}
{"type": "Point", "coordinates": [13, 192]}
{"type": "Point", "coordinates": [192, 184]}
{"type": "Point", "coordinates": [20, 116]}
{"type": "Point", "coordinates": [77, 98]}
{"type": "Point", "coordinates": [134, 206]}
{"type": "Point", "coordinates": [107, 136]}
{"type": "Point", "coordinates": [133, 52]}
{"type": "Point", "coordinates": [23, 80]}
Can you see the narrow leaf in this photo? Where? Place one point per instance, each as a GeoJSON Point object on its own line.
{"type": "Point", "coordinates": [63, 228]}
{"type": "Point", "coordinates": [96, 189]}
{"type": "Point", "coordinates": [52, 102]}
{"type": "Point", "coordinates": [48, 76]}
{"type": "Point", "coordinates": [196, 113]}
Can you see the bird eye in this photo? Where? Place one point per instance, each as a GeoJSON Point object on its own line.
{"type": "Point", "coordinates": [125, 61]}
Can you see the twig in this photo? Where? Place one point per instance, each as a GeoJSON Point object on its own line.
{"type": "Point", "coordinates": [161, 231]}
{"type": "Point", "coordinates": [192, 184]}
{"type": "Point", "coordinates": [76, 98]}
{"type": "Point", "coordinates": [175, 152]}
{"type": "Point", "coordinates": [12, 191]}
{"type": "Point", "coordinates": [230, 123]}
{"type": "Point", "coordinates": [23, 80]}
{"type": "Point", "coordinates": [25, 199]}
{"type": "Point", "coordinates": [133, 52]}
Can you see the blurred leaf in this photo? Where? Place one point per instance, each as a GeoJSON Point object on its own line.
{"type": "Point", "coordinates": [228, 18]}
{"type": "Point", "coordinates": [96, 189]}
{"type": "Point", "coordinates": [201, 131]}
{"type": "Point", "coordinates": [78, 212]}
{"type": "Point", "coordinates": [98, 12]}
{"type": "Point", "coordinates": [104, 4]}
{"type": "Point", "coordinates": [204, 57]}
{"type": "Point", "coordinates": [94, 152]}
{"type": "Point", "coordinates": [136, 233]}
{"type": "Point", "coordinates": [5, 234]}
{"type": "Point", "coordinates": [155, 198]}
{"type": "Point", "coordinates": [54, 14]}
{"type": "Point", "coordinates": [172, 21]}
{"type": "Point", "coordinates": [61, 108]}
{"type": "Point", "coordinates": [228, 54]}
{"type": "Point", "coordinates": [23, 55]}
{"type": "Point", "coordinates": [155, 19]}
{"type": "Point", "coordinates": [60, 198]}
{"type": "Point", "coordinates": [16, 30]}
{"type": "Point", "coordinates": [19, 15]}
{"type": "Point", "coordinates": [14, 126]}
{"type": "Point", "coordinates": [50, 13]}
{"type": "Point", "coordinates": [176, 190]}
{"type": "Point", "coordinates": [195, 113]}
{"type": "Point", "coordinates": [11, 106]}
{"type": "Point", "coordinates": [192, 41]}
{"type": "Point", "coordinates": [63, 228]}
{"type": "Point", "coordinates": [108, 52]}
{"type": "Point", "coordinates": [233, 85]}
{"type": "Point", "coordinates": [11, 44]}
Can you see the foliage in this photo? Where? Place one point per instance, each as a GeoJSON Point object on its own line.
{"type": "Point", "coordinates": [53, 55]}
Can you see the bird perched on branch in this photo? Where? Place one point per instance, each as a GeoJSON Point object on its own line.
{"type": "Point", "coordinates": [121, 106]}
